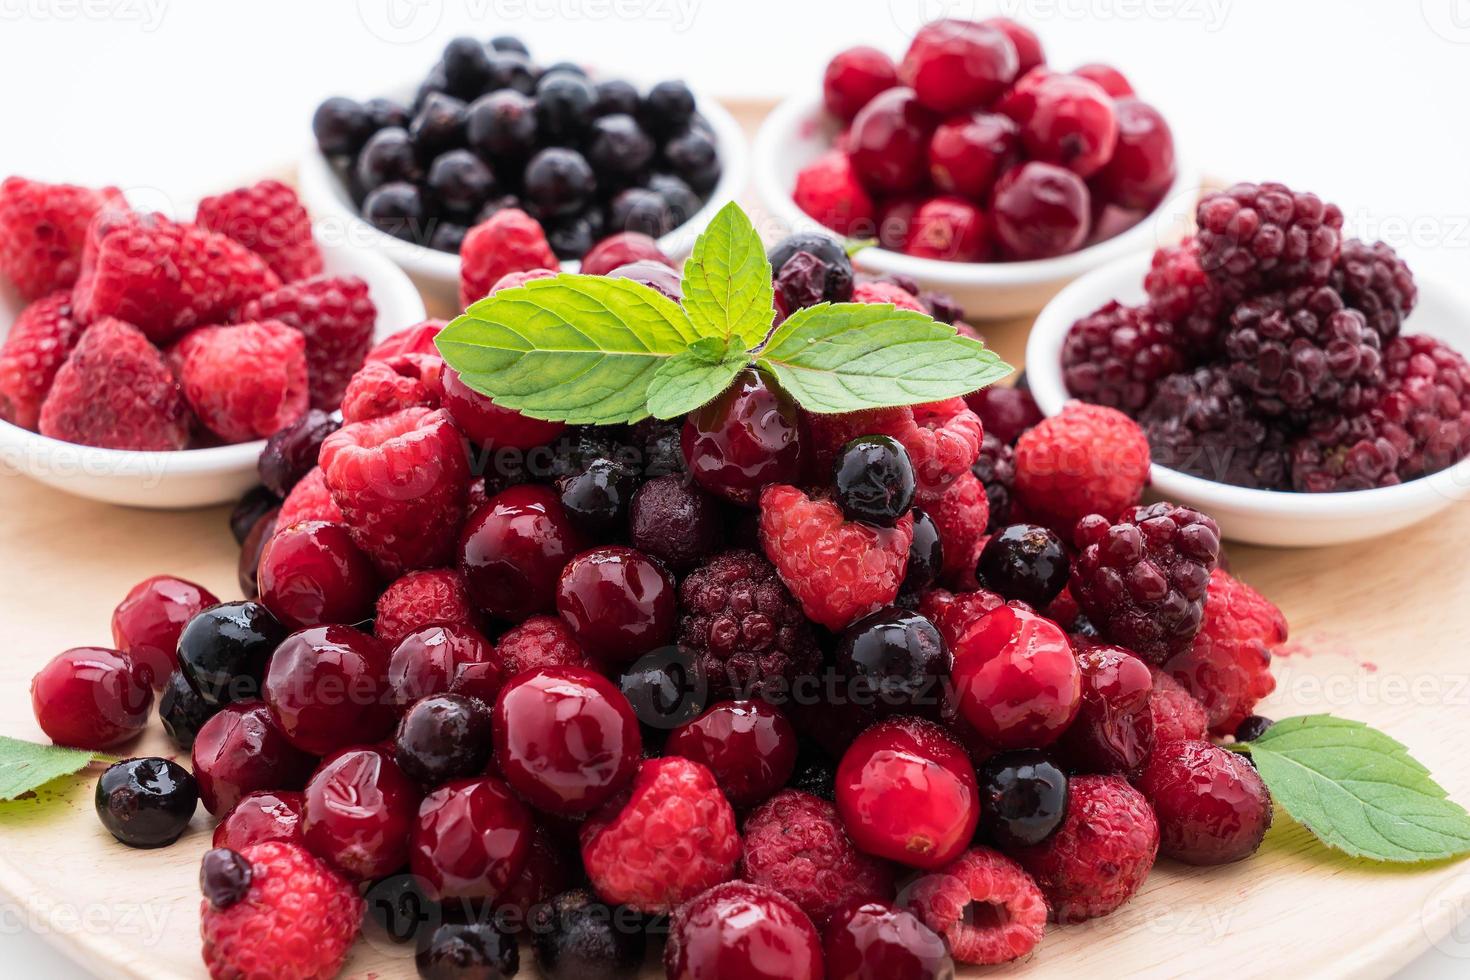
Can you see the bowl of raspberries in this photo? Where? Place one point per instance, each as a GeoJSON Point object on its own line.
{"type": "Point", "coordinates": [146, 359]}
{"type": "Point", "coordinates": [973, 166]}
{"type": "Point", "coordinates": [579, 155]}
{"type": "Point", "coordinates": [1296, 382]}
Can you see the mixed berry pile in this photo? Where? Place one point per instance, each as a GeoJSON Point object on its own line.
{"type": "Point", "coordinates": [145, 333]}
{"type": "Point", "coordinates": [972, 149]}
{"type": "Point", "coordinates": [1270, 354]}
{"type": "Point", "coordinates": [488, 130]}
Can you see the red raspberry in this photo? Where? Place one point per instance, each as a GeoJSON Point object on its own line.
{"type": "Point", "coordinates": [268, 219]}
{"type": "Point", "coordinates": [823, 436]}
{"type": "Point", "coordinates": [273, 910]}
{"type": "Point", "coordinates": [838, 571]}
{"type": "Point", "coordinates": [1211, 804]}
{"type": "Point", "coordinates": [953, 613]}
{"type": "Point", "coordinates": [43, 228]}
{"type": "Point", "coordinates": [795, 844]}
{"type": "Point", "coordinates": [1116, 356]}
{"type": "Point", "coordinates": [400, 482]}
{"type": "Point", "coordinates": [828, 189]}
{"type": "Point", "coordinates": [670, 839]}
{"type": "Point", "coordinates": [885, 292]}
{"type": "Point", "coordinates": [619, 248]}
{"type": "Point", "coordinates": [948, 228]}
{"type": "Point", "coordinates": [944, 445]}
{"type": "Point", "coordinates": [115, 391]}
{"type": "Point", "coordinates": [417, 339]}
{"type": "Point", "coordinates": [950, 901]}
{"type": "Point", "coordinates": [1181, 292]}
{"type": "Point", "coordinates": [164, 276]}
{"type": "Point", "coordinates": [244, 382]}
{"type": "Point", "coordinates": [1175, 711]}
{"type": "Point", "coordinates": [423, 598]}
{"type": "Point", "coordinates": [853, 77]}
{"type": "Point", "coordinates": [510, 240]}
{"type": "Point", "coordinates": [961, 515]}
{"type": "Point", "coordinates": [337, 317]}
{"type": "Point", "coordinates": [39, 340]}
{"type": "Point", "coordinates": [1101, 853]}
{"type": "Point", "coordinates": [1087, 460]}
{"type": "Point", "coordinates": [1228, 668]}
{"type": "Point", "coordinates": [309, 500]}
{"type": "Point", "coordinates": [392, 384]}
{"type": "Point", "coordinates": [540, 641]}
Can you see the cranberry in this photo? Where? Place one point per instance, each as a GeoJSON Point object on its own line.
{"type": "Point", "coordinates": [1040, 211]}
{"type": "Point", "coordinates": [513, 549]}
{"type": "Point", "coordinates": [1017, 678]}
{"type": "Point", "coordinates": [969, 151]}
{"type": "Point", "coordinates": [619, 603]}
{"type": "Point", "coordinates": [488, 425]}
{"type": "Point", "coordinates": [896, 219]}
{"type": "Point", "coordinates": [146, 625]}
{"type": "Point", "coordinates": [893, 659]}
{"type": "Point", "coordinates": [327, 688]}
{"type": "Point", "coordinates": [875, 941]}
{"type": "Point", "coordinates": [224, 650]}
{"type": "Point", "coordinates": [1004, 412]}
{"type": "Point", "coordinates": [1107, 78]}
{"type": "Point", "coordinates": [744, 439]}
{"type": "Point", "coordinates": [853, 77]}
{"type": "Point", "coordinates": [471, 840]}
{"type": "Point", "coordinates": [248, 566]}
{"type": "Point", "coordinates": [621, 249]}
{"type": "Point", "coordinates": [906, 791]}
{"type": "Point", "coordinates": [443, 737]}
{"type": "Point", "coordinates": [240, 750]}
{"type": "Point", "coordinates": [1024, 562]}
{"type": "Point", "coordinates": [959, 64]}
{"type": "Point", "coordinates": [740, 931]}
{"type": "Point", "coordinates": [359, 812]}
{"type": "Point", "coordinates": [432, 660]}
{"type": "Point", "coordinates": [1073, 125]}
{"type": "Point", "coordinates": [1114, 729]}
{"type": "Point", "coordinates": [1020, 102]}
{"type": "Point", "coordinates": [312, 573]}
{"type": "Point", "coordinates": [1023, 798]}
{"type": "Point", "coordinates": [1028, 45]}
{"type": "Point", "coordinates": [949, 228]}
{"type": "Point", "coordinates": [889, 140]}
{"type": "Point", "coordinates": [91, 698]}
{"type": "Point", "coordinates": [748, 745]}
{"type": "Point", "coordinates": [262, 817]}
{"type": "Point", "coordinates": [1142, 167]}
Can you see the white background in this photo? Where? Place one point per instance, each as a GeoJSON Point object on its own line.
{"type": "Point", "coordinates": [1361, 101]}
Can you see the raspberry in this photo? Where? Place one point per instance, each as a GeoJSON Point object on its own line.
{"type": "Point", "coordinates": [953, 613]}
{"type": "Point", "coordinates": [382, 387]}
{"type": "Point", "coordinates": [1198, 423]}
{"type": "Point", "coordinates": [268, 219]}
{"type": "Point", "coordinates": [165, 277]}
{"type": "Point", "coordinates": [1177, 715]}
{"type": "Point", "coordinates": [540, 641]}
{"type": "Point", "coordinates": [795, 844]}
{"type": "Point", "coordinates": [287, 916]}
{"type": "Point", "coordinates": [38, 343]}
{"type": "Point", "coordinates": [244, 382]}
{"type": "Point", "coordinates": [944, 446]}
{"type": "Point", "coordinates": [43, 228]}
{"type": "Point", "coordinates": [417, 339]}
{"type": "Point", "coordinates": [400, 482]}
{"type": "Point", "coordinates": [1090, 459]}
{"type": "Point", "coordinates": [824, 436]}
{"type": "Point", "coordinates": [1181, 292]}
{"type": "Point", "coordinates": [309, 500]}
{"type": "Point", "coordinates": [1143, 580]}
{"type": "Point", "coordinates": [337, 317]}
{"type": "Point", "coordinates": [829, 191]}
{"type": "Point", "coordinates": [1101, 853]}
{"type": "Point", "coordinates": [886, 292]}
{"type": "Point", "coordinates": [838, 571]}
{"type": "Point", "coordinates": [961, 516]}
{"type": "Point", "coordinates": [1211, 804]}
{"type": "Point", "coordinates": [745, 627]}
{"type": "Point", "coordinates": [510, 240]}
{"type": "Point", "coordinates": [1262, 235]}
{"type": "Point", "coordinates": [995, 468]}
{"type": "Point", "coordinates": [115, 391]}
{"type": "Point", "coordinates": [1376, 282]}
{"type": "Point", "coordinates": [424, 598]}
{"type": "Point", "coordinates": [984, 904]}
{"type": "Point", "coordinates": [1116, 355]}
{"type": "Point", "coordinates": [670, 839]}
{"type": "Point", "coordinates": [1228, 668]}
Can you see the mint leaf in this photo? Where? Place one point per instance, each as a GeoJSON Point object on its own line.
{"type": "Point", "coordinates": [851, 356]}
{"type": "Point", "coordinates": [1358, 790]}
{"type": "Point", "coordinates": [572, 348]}
{"type": "Point", "coordinates": [26, 766]}
{"type": "Point", "coordinates": [853, 246]}
{"type": "Point", "coordinates": [691, 379]}
{"type": "Point", "coordinates": [727, 281]}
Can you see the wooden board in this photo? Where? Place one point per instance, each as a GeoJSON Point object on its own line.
{"type": "Point", "coordinates": [1379, 634]}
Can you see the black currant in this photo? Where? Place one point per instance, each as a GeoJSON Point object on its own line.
{"type": "Point", "coordinates": [874, 480]}
{"type": "Point", "coordinates": [894, 660]}
{"type": "Point", "coordinates": [224, 650]}
{"type": "Point", "coordinates": [146, 802]}
{"type": "Point", "coordinates": [1025, 562]}
{"type": "Point", "coordinates": [1023, 797]}
{"type": "Point", "coordinates": [443, 737]}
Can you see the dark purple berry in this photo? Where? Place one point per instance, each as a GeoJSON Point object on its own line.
{"type": "Point", "coordinates": [676, 522]}
{"type": "Point", "coordinates": [693, 155]}
{"type": "Point", "coordinates": [460, 182]}
{"type": "Point", "coordinates": [1116, 356]}
{"type": "Point", "coordinates": [995, 468]}
{"type": "Point", "coordinates": [443, 737]}
{"type": "Point", "coordinates": [642, 210]}
{"type": "Point", "coordinates": [894, 660]}
{"type": "Point", "coordinates": [874, 480]}
{"type": "Point", "coordinates": [668, 107]}
{"type": "Point", "coordinates": [666, 689]}
{"type": "Point", "coordinates": [502, 126]}
{"type": "Point", "coordinates": [1024, 562]}
{"type": "Point", "coordinates": [597, 498]}
{"type": "Point", "coordinates": [559, 181]}
{"type": "Point", "coordinates": [617, 146]}
{"type": "Point", "coordinates": [397, 905]}
{"type": "Point", "coordinates": [388, 156]}
{"type": "Point", "coordinates": [466, 67]}
{"type": "Point", "coordinates": [292, 453]}
{"type": "Point", "coordinates": [576, 937]}
{"type": "Point", "coordinates": [512, 70]}
{"type": "Point", "coordinates": [680, 197]}
{"type": "Point", "coordinates": [341, 126]}
{"type": "Point", "coordinates": [824, 275]}
{"type": "Point", "coordinates": [448, 236]}
{"type": "Point", "coordinates": [1252, 728]}
{"type": "Point", "coordinates": [572, 238]}
{"type": "Point", "coordinates": [616, 95]}
{"type": "Point", "coordinates": [387, 112]}
{"type": "Point", "coordinates": [507, 42]}
{"type": "Point", "coordinates": [224, 650]}
{"type": "Point", "coordinates": [398, 210]}
{"type": "Point", "coordinates": [146, 802]}
{"type": "Point", "coordinates": [182, 711]}
{"type": "Point", "coordinates": [564, 104]}
{"type": "Point", "coordinates": [1023, 798]}
{"type": "Point", "coordinates": [255, 504]}
{"type": "Point", "coordinates": [438, 127]}
{"type": "Point", "coordinates": [224, 877]}
{"type": "Point", "coordinates": [926, 554]}
{"type": "Point", "coordinates": [458, 950]}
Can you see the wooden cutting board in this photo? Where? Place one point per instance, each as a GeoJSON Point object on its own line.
{"type": "Point", "coordinates": [1380, 631]}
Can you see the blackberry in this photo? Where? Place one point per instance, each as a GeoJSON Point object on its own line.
{"type": "Point", "coordinates": [1266, 235]}
{"type": "Point", "coordinates": [1116, 355]}
{"type": "Point", "coordinates": [1377, 283]}
{"type": "Point", "coordinates": [810, 268]}
{"type": "Point", "coordinates": [1341, 454]}
{"type": "Point", "coordinates": [676, 522]}
{"type": "Point", "coordinates": [748, 632]}
{"type": "Point", "coordinates": [1180, 292]}
{"type": "Point", "coordinates": [995, 468]}
{"type": "Point", "coordinates": [576, 937]}
{"type": "Point", "coordinates": [1197, 423]}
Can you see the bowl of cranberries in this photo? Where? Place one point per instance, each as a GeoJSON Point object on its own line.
{"type": "Point", "coordinates": [1298, 384]}
{"type": "Point", "coordinates": [972, 166]}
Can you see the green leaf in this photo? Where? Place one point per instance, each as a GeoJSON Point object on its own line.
{"type": "Point", "coordinates": [571, 348]}
{"type": "Point", "coordinates": [850, 356]}
{"type": "Point", "coordinates": [853, 246]}
{"type": "Point", "coordinates": [689, 380]}
{"type": "Point", "coordinates": [1358, 790]}
{"type": "Point", "coordinates": [727, 281]}
{"type": "Point", "coordinates": [26, 766]}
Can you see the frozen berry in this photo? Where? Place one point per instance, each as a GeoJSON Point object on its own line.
{"type": "Point", "coordinates": [223, 651]}
{"type": "Point", "coordinates": [260, 818]}
{"type": "Point", "coordinates": [426, 597]}
{"type": "Point", "coordinates": [1117, 356]}
{"type": "Point", "coordinates": [828, 190]}
{"type": "Point", "coordinates": [949, 228]}
{"type": "Point", "coordinates": [958, 64]}
{"type": "Point", "coordinates": [1254, 235]}
{"type": "Point", "coordinates": [1005, 413]}
{"type": "Point", "coordinates": [1039, 211]}
{"type": "Point", "coordinates": [889, 141]}
{"type": "Point", "coordinates": [875, 941]}
{"type": "Point", "coordinates": [397, 208]}
{"type": "Point", "coordinates": [34, 350]}
{"type": "Point", "coordinates": [91, 698]}
{"type": "Point", "coordinates": [292, 452]}
{"type": "Point", "coordinates": [509, 240]}
{"type": "Point", "coordinates": [676, 522]}
{"type": "Point", "coordinates": [926, 554]}
{"type": "Point", "coordinates": [1141, 169]}
{"type": "Point", "coordinates": [596, 499]}
{"type": "Point", "coordinates": [146, 802]}
{"type": "Point", "coordinates": [1114, 730]}
{"type": "Point", "coordinates": [968, 152]}
{"type": "Point", "coordinates": [995, 468]}
{"type": "Point", "coordinates": [1175, 711]}
{"type": "Point", "coordinates": [1023, 798]}
{"type": "Point", "coordinates": [312, 574]}
{"type": "Point", "coordinates": [1073, 125]}
{"type": "Point", "coordinates": [825, 274]}
{"type": "Point", "coordinates": [621, 249]}
{"type": "Point", "coordinates": [1252, 728]}
{"type": "Point", "coordinates": [1228, 667]}
{"type": "Point", "coordinates": [619, 603]}
{"type": "Point", "coordinates": [1374, 280]}
{"type": "Point", "coordinates": [182, 711]}
{"type": "Point", "coordinates": [471, 840]}
{"type": "Point", "coordinates": [387, 157]}
{"type": "Point", "coordinates": [438, 126]}
{"type": "Point", "coordinates": [1024, 562]}
{"type": "Point", "coordinates": [874, 480]}
{"type": "Point", "coordinates": [576, 937]}
{"type": "Point", "coordinates": [327, 688]}
{"type": "Point", "coordinates": [488, 425]}
{"type": "Point", "coordinates": [147, 623]}
{"type": "Point", "coordinates": [1088, 459]}
{"type": "Point", "coordinates": [455, 950]}
{"type": "Point", "coordinates": [744, 439]}
{"type": "Point", "coordinates": [1017, 678]}
{"type": "Point", "coordinates": [853, 77]}
{"type": "Point", "coordinates": [559, 181]}
{"type": "Point", "coordinates": [742, 930]}
{"type": "Point", "coordinates": [443, 737]}
{"type": "Point", "coordinates": [512, 552]}
{"type": "Point", "coordinates": [1211, 804]}
{"type": "Point", "coordinates": [895, 661]}
{"type": "Point", "coordinates": [984, 905]}
{"type": "Point", "coordinates": [358, 812]}
{"type": "Point", "coordinates": [437, 659]}
{"type": "Point", "coordinates": [748, 745]}
{"type": "Point", "coordinates": [460, 181]}
{"type": "Point", "coordinates": [241, 750]}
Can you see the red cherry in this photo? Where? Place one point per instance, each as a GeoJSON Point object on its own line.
{"type": "Point", "coordinates": [1039, 211]}
{"type": "Point", "coordinates": [619, 603]}
{"type": "Point", "coordinates": [969, 151]}
{"type": "Point", "coordinates": [748, 745]}
{"type": "Point", "coordinates": [875, 941]}
{"type": "Point", "coordinates": [959, 64]}
{"type": "Point", "coordinates": [91, 698]}
{"type": "Point", "coordinates": [488, 425]}
{"type": "Point", "coordinates": [744, 439]}
{"type": "Point", "coordinates": [471, 839]}
{"type": "Point", "coordinates": [312, 573]}
{"type": "Point", "coordinates": [1142, 168]}
{"type": "Point", "coordinates": [1107, 78]}
{"type": "Point", "coordinates": [513, 549]}
{"type": "Point", "coordinates": [1114, 728]}
{"type": "Point", "coordinates": [262, 817]}
{"type": "Point", "coordinates": [360, 809]}
{"type": "Point", "coordinates": [146, 624]}
{"type": "Point", "coordinates": [740, 931]}
{"type": "Point", "coordinates": [889, 141]}
{"type": "Point", "coordinates": [1017, 678]}
{"type": "Point", "coordinates": [1073, 125]}
{"type": "Point", "coordinates": [327, 688]}
{"type": "Point", "coordinates": [432, 660]}
{"type": "Point", "coordinates": [853, 77]}
{"type": "Point", "coordinates": [951, 229]}
{"type": "Point", "coordinates": [240, 751]}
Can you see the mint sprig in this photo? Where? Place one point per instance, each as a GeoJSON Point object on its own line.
{"type": "Point", "coordinates": [598, 351]}
{"type": "Point", "coordinates": [27, 766]}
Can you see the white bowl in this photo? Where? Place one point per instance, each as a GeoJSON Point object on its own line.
{"type": "Point", "coordinates": [1264, 517]}
{"type": "Point", "coordinates": [436, 273]}
{"type": "Point", "coordinates": [189, 477]}
{"type": "Point", "coordinates": [799, 130]}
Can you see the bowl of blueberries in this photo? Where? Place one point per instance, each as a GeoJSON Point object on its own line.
{"type": "Point", "coordinates": [586, 155]}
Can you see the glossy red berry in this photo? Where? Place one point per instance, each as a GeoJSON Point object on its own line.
{"type": "Point", "coordinates": [969, 152]}
{"type": "Point", "coordinates": [1211, 804]}
{"type": "Point", "coordinates": [488, 425]}
{"type": "Point", "coordinates": [907, 792]}
{"type": "Point", "coordinates": [1141, 169]}
{"type": "Point", "coordinates": [471, 839]}
{"type": "Point", "coordinates": [748, 745]}
{"type": "Point", "coordinates": [853, 77]}
{"type": "Point", "coordinates": [359, 811]}
{"type": "Point", "coordinates": [619, 603]}
{"type": "Point", "coordinates": [1114, 729]}
{"type": "Point", "coordinates": [436, 659]}
{"type": "Point", "coordinates": [513, 549]}
{"type": "Point", "coordinates": [1107, 78]}
{"type": "Point", "coordinates": [1028, 46]}
{"type": "Point", "coordinates": [327, 688]}
{"type": "Point", "coordinates": [241, 751]}
{"type": "Point", "coordinates": [744, 439]}
{"type": "Point", "coordinates": [740, 931]}
{"type": "Point", "coordinates": [91, 698]}
{"type": "Point", "coordinates": [959, 64]}
{"type": "Point", "coordinates": [146, 625]}
{"type": "Point", "coordinates": [312, 574]}
{"type": "Point", "coordinates": [260, 818]}
{"type": "Point", "coordinates": [1073, 125]}
{"type": "Point", "coordinates": [566, 739]}
{"type": "Point", "coordinates": [875, 941]}
{"type": "Point", "coordinates": [1040, 210]}
{"type": "Point", "coordinates": [888, 142]}
{"type": "Point", "coordinates": [1017, 679]}
{"type": "Point", "coordinates": [949, 228]}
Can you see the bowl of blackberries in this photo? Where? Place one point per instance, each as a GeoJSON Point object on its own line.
{"type": "Point", "coordinates": [586, 155]}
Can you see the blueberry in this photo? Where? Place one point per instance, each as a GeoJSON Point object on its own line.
{"type": "Point", "coordinates": [642, 210]}
{"type": "Point", "coordinates": [1252, 728]}
{"type": "Point", "coordinates": [341, 126]}
{"type": "Point", "coordinates": [182, 711]}
{"type": "Point", "coordinates": [825, 275]}
{"type": "Point", "coordinates": [460, 182]}
{"type": "Point", "coordinates": [597, 498]}
{"type": "Point", "coordinates": [292, 453]}
{"type": "Point", "coordinates": [506, 42]}
{"type": "Point", "coordinates": [874, 480]}
{"type": "Point", "coordinates": [1023, 797]}
{"type": "Point", "coordinates": [893, 660]}
{"type": "Point", "coordinates": [398, 210]}
{"type": "Point", "coordinates": [509, 69]}
{"type": "Point", "coordinates": [443, 737]}
{"type": "Point", "coordinates": [564, 104]}
{"type": "Point", "coordinates": [502, 125]}
{"type": "Point", "coordinates": [388, 156]}
{"type": "Point", "coordinates": [691, 154]}
{"type": "Point", "coordinates": [616, 95]}
{"type": "Point", "coordinates": [559, 181]}
{"type": "Point", "coordinates": [448, 236]}
{"type": "Point", "coordinates": [439, 126]}
{"type": "Point", "coordinates": [680, 197]}
{"type": "Point", "coordinates": [251, 507]}
{"type": "Point", "coordinates": [1025, 562]}
{"type": "Point", "coordinates": [576, 937]}
{"type": "Point", "coordinates": [668, 107]}
{"type": "Point", "coordinates": [466, 67]}
{"type": "Point", "coordinates": [618, 146]}
{"type": "Point", "coordinates": [223, 651]}
{"type": "Point", "coordinates": [386, 112]}
{"type": "Point", "coordinates": [926, 554]}
{"type": "Point", "coordinates": [458, 950]}
{"type": "Point", "coordinates": [146, 802]}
